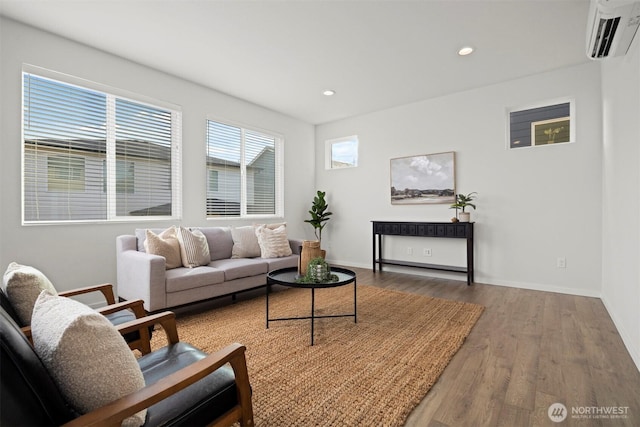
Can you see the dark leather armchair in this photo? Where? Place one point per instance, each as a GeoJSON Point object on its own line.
{"type": "Point", "coordinates": [184, 386]}
{"type": "Point", "coordinates": [117, 313]}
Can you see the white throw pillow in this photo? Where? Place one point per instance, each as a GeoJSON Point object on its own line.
{"type": "Point", "coordinates": [85, 355]}
{"type": "Point", "coordinates": [194, 249]}
{"type": "Point", "coordinates": [166, 245]}
{"type": "Point", "coordinates": [245, 242]}
{"type": "Point", "coordinates": [273, 242]}
{"type": "Point", "coordinates": [23, 284]}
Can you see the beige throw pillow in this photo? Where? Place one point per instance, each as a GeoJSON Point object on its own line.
{"type": "Point", "coordinates": [166, 245]}
{"type": "Point", "coordinates": [245, 242]}
{"type": "Point", "coordinates": [85, 355]}
{"type": "Point", "coordinates": [194, 249]}
{"type": "Point", "coordinates": [273, 242]}
{"type": "Point", "coordinates": [23, 284]}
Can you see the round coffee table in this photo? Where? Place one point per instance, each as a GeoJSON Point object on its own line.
{"type": "Point", "coordinates": [288, 276]}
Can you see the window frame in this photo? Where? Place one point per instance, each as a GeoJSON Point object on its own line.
{"type": "Point", "coordinates": [111, 160]}
{"type": "Point", "coordinates": [279, 144]}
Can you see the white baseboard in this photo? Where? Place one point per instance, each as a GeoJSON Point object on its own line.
{"type": "Point", "coordinates": [629, 342]}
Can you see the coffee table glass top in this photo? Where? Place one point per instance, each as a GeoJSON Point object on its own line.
{"type": "Point", "coordinates": [288, 277]}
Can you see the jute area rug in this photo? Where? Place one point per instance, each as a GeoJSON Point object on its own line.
{"type": "Point", "coordinates": [370, 373]}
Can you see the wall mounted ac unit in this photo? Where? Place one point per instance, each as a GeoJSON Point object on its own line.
{"type": "Point", "coordinates": [611, 27]}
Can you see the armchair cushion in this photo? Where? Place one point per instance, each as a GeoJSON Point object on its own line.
{"type": "Point", "coordinates": [22, 284]}
{"type": "Point", "coordinates": [207, 399]}
{"type": "Point", "coordinates": [86, 356]}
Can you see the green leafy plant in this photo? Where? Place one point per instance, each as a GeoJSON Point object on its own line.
{"type": "Point", "coordinates": [464, 200]}
{"type": "Point", "coordinates": [311, 276]}
{"type": "Point", "coordinates": [319, 214]}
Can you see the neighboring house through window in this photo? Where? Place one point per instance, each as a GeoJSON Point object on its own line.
{"type": "Point", "coordinates": [550, 123]}
{"type": "Point", "coordinates": [244, 169]}
{"type": "Point", "coordinates": [93, 155]}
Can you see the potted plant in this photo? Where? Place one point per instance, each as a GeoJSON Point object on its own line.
{"type": "Point", "coordinates": [318, 271]}
{"type": "Point", "coordinates": [462, 201]}
{"type": "Point", "coordinates": [312, 248]}
{"type": "Point", "coordinates": [319, 214]}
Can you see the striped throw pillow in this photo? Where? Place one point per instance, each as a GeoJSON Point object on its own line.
{"type": "Point", "coordinates": [194, 249]}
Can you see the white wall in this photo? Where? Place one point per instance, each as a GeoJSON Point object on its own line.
{"type": "Point", "coordinates": [534, 204]}
{"type": "Point", "coordinates": [621, 201]}
{"type": "Point", "coordinates": [78, 255]}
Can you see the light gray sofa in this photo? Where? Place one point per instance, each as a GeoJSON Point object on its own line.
{"type": "Point", "coordinates": [144, 276]}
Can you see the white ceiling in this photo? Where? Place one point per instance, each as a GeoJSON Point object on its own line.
{"type": "Point", "coordinates": [283, 54]}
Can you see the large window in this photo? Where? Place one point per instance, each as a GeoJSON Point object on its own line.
{"type": "Point", "coordinates": [244, 169]}
{"type": "Point", "coordinates": [92, 155]}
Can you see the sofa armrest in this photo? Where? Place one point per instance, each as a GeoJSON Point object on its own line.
{"type": "Point", "coordinates": [296, 245]}
{"type": "Point", "coordinates": [140, 275]}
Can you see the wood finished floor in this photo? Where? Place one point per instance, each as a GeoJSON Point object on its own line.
{"type": "Point", "coordinates": [529, 349]}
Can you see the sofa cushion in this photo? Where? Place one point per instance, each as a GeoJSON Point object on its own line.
{"type": "Point", "coordinates": [273, 242]}
{"type": "Point", "coordinates": [282, 262]}
{"type": "Point", "coordinates": [219, 240]}
{"type": "Point", "coordinates": [237, 268]}
{"type": "Point", "coordinates": [84, 353]}
{"type": "Point", "coordinates": [166, 245]}
{"type": "Point", "coordinates": [22, 285]}
{"type": "Point", "coordinates": [194, 248]}
{"type": "Point", "coordinates": [181, 279]}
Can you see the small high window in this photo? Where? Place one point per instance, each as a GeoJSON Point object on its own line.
{"type": "Point", "coordinates": [341, 152]}
{"type": "Point", "coordinates": [542, 125]}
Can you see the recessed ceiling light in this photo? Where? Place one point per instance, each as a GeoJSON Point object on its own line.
{"type": "Point", "coordinates": [467, 50]}
{"type": "Point", "coordinates": [329, 92]}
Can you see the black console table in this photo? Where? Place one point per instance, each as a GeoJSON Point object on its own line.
{"type": "Point", "coordinates": [453, 230]}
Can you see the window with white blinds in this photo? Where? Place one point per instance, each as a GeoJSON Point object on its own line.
{"type": "Point", "coordinates": [244, 169]}
{"type": "Point", "coordinates": [92, 155]}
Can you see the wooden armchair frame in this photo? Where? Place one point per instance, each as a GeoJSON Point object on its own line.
{"type": "Point", "coordinates": [234, 354]}
{"type": "Point", "coordinates": [136, 306]}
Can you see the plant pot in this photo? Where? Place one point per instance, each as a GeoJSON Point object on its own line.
{"type": "Point", "coordinates": [310, 250]}
{"type": "Point", "coordinates": [465, 216]}
{"type": "Point", "coordinates": [321, 272]}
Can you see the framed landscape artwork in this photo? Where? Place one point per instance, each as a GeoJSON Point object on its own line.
{"type": "Point", "coordinates": [423, 179]}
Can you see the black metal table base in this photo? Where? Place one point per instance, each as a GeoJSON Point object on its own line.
{"type": "Point", "coordinates": [313, 316]}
